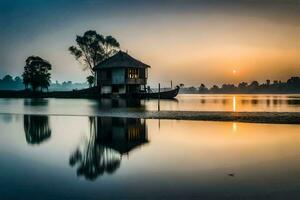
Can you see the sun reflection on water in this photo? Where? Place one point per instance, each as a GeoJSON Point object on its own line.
{"type": "Point", "coordinates": [234, 104]}
{"type": "Point", "coordinates": [234, 127]}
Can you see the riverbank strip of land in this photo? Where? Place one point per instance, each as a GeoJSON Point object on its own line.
{"type": "Point", "coordinates": [248, 117]}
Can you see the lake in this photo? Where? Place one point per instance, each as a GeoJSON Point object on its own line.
{"type": "Point", "coordinates": [63, 156]}
{"type": "Point", "coordinates": [236, 103]}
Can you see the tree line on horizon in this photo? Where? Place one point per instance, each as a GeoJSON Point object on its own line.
{"type": "Point", "coordinates": [8, 82]}
{"type": "Point", "coordinates": [290, 86]}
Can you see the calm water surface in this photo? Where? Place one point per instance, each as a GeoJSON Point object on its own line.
{"type": "Point", "coordinates": [237, 103]}
{"type": "Point", "coordinates": [64, 156]}
{"type": "Point", "coordinates": [79, 157]}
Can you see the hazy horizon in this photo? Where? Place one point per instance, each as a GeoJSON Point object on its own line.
{"type": "Point", "coordinates": [192, 42]}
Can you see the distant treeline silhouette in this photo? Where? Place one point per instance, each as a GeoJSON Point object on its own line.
{"type": "Point", "coordinates": [291, 86]}
{"type": "Point", "coordinates": [9, 82]}
{"type": "Point", "coordinates": [67, 86]}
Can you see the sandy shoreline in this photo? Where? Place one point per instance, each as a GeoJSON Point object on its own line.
{"type": "Point", "coordinates": [249, 117]}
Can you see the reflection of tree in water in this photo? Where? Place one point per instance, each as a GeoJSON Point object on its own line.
{"type": "Point", "coordinates": [94, 159]}
{"type": "Point", "coordinates": [293, 101]}
{"type": "Point", "coordinates": [36, 128]}
{"type": "Point", "coordinates": [108, 140]}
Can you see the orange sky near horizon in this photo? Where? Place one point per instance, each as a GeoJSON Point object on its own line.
{"type": "Point", "coordinates": [209, 50]}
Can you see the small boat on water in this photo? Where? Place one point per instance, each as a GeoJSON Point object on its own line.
{"type": "Point", "coordinates": [169, 94]}
{"type": "Point", "coordinates": [89, 93]}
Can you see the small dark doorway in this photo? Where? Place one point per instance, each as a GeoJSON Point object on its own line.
{"type": "Point", "coordinates": [115, 89]}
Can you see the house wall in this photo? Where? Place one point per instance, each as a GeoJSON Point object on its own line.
{"type": "Point", "coordinates": [104, 77]}
{"type": "Point", "coordinates": [106, 89]}
{"type": "Point", "coordinates": [133, 88]}
{"type": "Point", "coordinates": [118, 76]}
{"type": "Point", "coordinates": [117, 80]}
{"type": "Point", "coordinates": [122, 89]}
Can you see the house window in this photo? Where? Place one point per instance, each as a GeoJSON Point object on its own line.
{"type": "Point", "coordinates": [133, 73]}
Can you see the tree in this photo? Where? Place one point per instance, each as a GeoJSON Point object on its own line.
{"type": "Point", "coordinates": [254, 85]}
{"type": "Point", "coordinates": [295, 81]}
{"type": "Point", "coordinates": [45, 81]}
{"type": "Point", "coordinates": [243, 85]}
{"type": "Point", "coordinates": [26, 78]}
{"type": "Point", "coordinates": [215, 88]}
{"type": "Point", "coordinates": [7, 79]}
{"type": "Point", "coordinates": [92, 48]}
{"type": "Point", "coordinates": [228, 87]}
{"type": "Point", "coordinates": [90, 80]}
{"type": "Point", "coordinates": [203, 88]}
{"type": "Point", "coordinates": [18, 80]}
{"type": "Point", "coordinates": [36, 73]}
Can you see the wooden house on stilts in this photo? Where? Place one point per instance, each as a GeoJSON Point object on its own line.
{"type": "Point", "coordinates": [121, 74]}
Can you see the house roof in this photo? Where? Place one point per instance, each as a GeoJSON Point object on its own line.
{"type": "Point", "coordinates": [121, 59]}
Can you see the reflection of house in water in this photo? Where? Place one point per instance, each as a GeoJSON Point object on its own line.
{"type": "Point", "coordinates": [36, 128]}
{"type": "Point", "coordinates": [108, 103]}
{"type": "Point", "coordinates": [109, 139]}
{"type": "Point", "coordinates": [121, 134]}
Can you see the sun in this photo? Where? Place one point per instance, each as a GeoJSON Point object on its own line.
{"type": "Point", "coordinates": [234, 72]}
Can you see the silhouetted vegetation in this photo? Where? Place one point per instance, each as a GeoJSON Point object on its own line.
{"type": "Point", "coordinates": [10, 83]}
{"type": "Point", "coordinates": [36, 73]}
{"type": "Point", "coordinates": [92, 48]}
{"type": "Point", "coordinates": [90, 80]}
{"type": "Point", "coordinates": [67, 86]}
{"type": "Point", "coordinates": [291, 86]}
